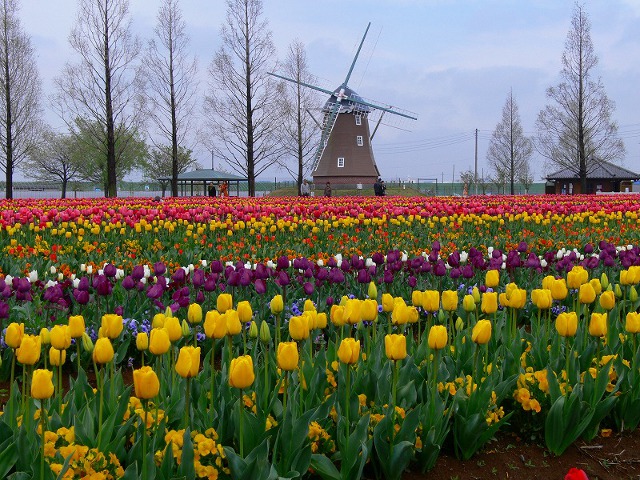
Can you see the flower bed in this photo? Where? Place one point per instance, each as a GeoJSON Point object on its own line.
{"type": "Point", "coordinates": [327, 336]}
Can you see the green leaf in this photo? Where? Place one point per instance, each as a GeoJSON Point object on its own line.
{"type": "Point", "coordinates": [8, 459]}
{"type": "Point", "coordinates": [324, 467]}
{"type": "Point", "coordinates": [187, 467]}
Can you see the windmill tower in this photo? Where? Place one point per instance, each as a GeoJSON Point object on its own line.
{"type": "Point", "coordinates": [344, 155]}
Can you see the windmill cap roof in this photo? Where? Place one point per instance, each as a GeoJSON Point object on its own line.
{"type": "Point", "coordinates": [346, 106]}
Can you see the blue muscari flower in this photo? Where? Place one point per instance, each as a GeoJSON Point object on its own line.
{"type": "Point", "coordinates": [461, 287]}
{"type": "Point", "coordinates": [130, 362]}
{"type": "Point", "coordinates": [200, 336]}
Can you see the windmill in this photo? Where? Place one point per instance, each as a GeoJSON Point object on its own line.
{"type": "Point", "coordinates": [344, 155]}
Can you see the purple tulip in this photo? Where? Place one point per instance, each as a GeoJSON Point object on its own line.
{"type": "Point", "coordinates": [282, 263]}
{"type": "Point", "coordinates": [435, 246]}
{"type": "Point", "coordinates": [388, 276]}
{"type": "Point", "coordinates": [363, 276]}
{"type": "Point", "coordinates": [210, 283]}
{"type": "Point", "coordinates": [336, 276]}
{"type": "Point", "coordinates": [156, 291]}
{"type": "Point", "coordinates": [233, 278]}
{"type": "Point", "coordinates": [138, 272]}
{"type": "Point", "coordinates": [412, 281]}
{"type": "Point", "coordinates": [197, 278]}
{"type": "Point", "coordinates": [440, 270]}
{"type": "Point", "coordinates": [455, 273]}
{"type": "Point", "coordinates": [4, 310]}
{"type": "Point", "coordinates": [308, 288]}
{"type": "Point", "coordinates": [179, 276]}
{"type": "Point", "coordinates": [522, 247]}
{"type": "Point", "coordinates": [81, 296]}
{"type": "Point", "coordinates": [513, 259]}
{"type": "Point", "coordinates": [454, 259]}
{"type": "Point", "coordinates": [159, 268]}
{"type": "Point", "coordinates": [216, 266]}
{"type": "Point", "coordinates": [588, 249]}
{"type": "Point", "coordinates": [109, 270]}
{"type": "Point", "coordinates": [467, 271]}
{"type": "Point", "coordinates": [283, 278]}
{"type": "Point", "coordinates": [199, 296]}
{"type": "Point", "coordinates": [119, 310]}
{"type": "Point", "coordinates": [378, 258]}
{"type": "Point", "coordinates": [260, 285]}
{"type": "Point", "coordinates": [128, 282]}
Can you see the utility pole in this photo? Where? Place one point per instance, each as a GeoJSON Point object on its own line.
{"type": "Point", "coordinates": [453, 179]}
{"type": "Point", "coordinates": [475, 174]}
{"type": "Point", "coordinates": [212, 160]}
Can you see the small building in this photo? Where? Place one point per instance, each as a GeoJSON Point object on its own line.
{"type": "Point", "coordinates": [601, 177]}
{"type": "Point", "coordinates": [196, 182]}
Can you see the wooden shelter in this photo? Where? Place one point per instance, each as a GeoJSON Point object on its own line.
{"type": "Point", "coordinates": [601, 177]}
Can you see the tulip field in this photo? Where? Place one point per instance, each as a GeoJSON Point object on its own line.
{"type": "Point", "coordinates": [328, 338]}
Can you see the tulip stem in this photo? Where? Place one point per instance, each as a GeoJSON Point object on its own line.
{"type": "Point", "coordinates": [277, 329]}
{"type": "Point", "coordinates": [241, 405]}
{"type": "Point", "coordinates": [265, 388]}
{"type": "Point", "coordinates": [100, 408]}
{"type": "Point", "coordinates": [394, 388]}
{"type": "Point", "coordinates": [187, 404]}
{"type": "Point", "coordinates": [284, 391]}
{"type": "Point", "coordinates": [60, 385]}
{"type": "Point", "coordinates": [144, 439]}
{"type": "Point", "coordinates": [434, 385]}
{"type": "Point", "coordinates": [567, 352]}
{"type": "Point", "coordinates": [77, 352]}
{"type": "Point", "coordinates": [13, 374]}
{"type": "Point", "coordinates": [346, 407]}
{"type": "Point", "coordinates": [213, 377]}
{"type": "Point", "coordinates": [42, 432]}
{"type": "Point", "coordinates": [24, 385]}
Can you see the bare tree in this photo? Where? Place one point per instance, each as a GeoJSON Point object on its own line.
{"type": "Point", "coordinates": [20, 109]}
{"type": "Point", "coordinates": [241, 105]}
{"type": "Point", "coordinates": [54, 159]}
{"type": "Point", "coordinates": [299, 127]}
{"type": "Point", "coordinates": [102, 88]}
{"type": "Point", "coordinates": [575, 131]}
{"type": "Point", "coordinates": [509, 149]}
{"type": "Point", "coordinates": [170, 74]}
{"type": "Point", "coordinates": [158, 166]}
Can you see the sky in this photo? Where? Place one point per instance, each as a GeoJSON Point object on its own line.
{"type": "Point", "coordinates": [451, 62]}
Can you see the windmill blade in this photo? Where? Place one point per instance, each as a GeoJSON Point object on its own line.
{"type": "Point", "coordinates": [330, 121]}
{"type": "Point", "coordinates": [319, 89]}
{"type": "Point", "coordinates": [389, 109]}
{"type": "Point", "coordinates": [353, 64]}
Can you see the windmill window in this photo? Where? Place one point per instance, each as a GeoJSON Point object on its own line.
{"type": "Point", "coordinates": [359, 140]}
{"type": "Point", "coordinates": [340, 162]}
{"type": "Point", "coordinates": [358, 119]}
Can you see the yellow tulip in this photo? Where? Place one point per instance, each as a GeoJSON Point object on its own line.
{"type": "Point", "coordinates": [353, 311]}
{"type": "Point", "coordinates": [224, 302]}
{"type": "Point", "coordinates": [45, 336]}
{"type": "Point", "coordinates": [577, 276]}
{"type": "Point", "coordinates": [234, 326]}
{"type": "Point", "coordinates": [597, 286]}
{"type": "Point", "coordinates": [308, 306]}
{"type": "Point", "coordinates": [158, 320]}
{"type": "Point", "coordinates": [468, 303]}
{"type": "Point", "coordinates": [400, 314]}
{"type": "Point", "coordinates": [13, 335]}
{"type": "Point", "coordinates": [387, 302]}
{"type": "Point", "coordinates": [215, 325]}
{"type": "Point", "coordinates": [395, 347]}
{"type": "Point", "coordinates": [431, 300]}
{"type": "Point", "coordinates": [598, 325]}
{"type": "Point", "coordinates": [76, 326]}
{"type": "Point", "coordinates": [241, 374]}
{"type": "Point", "coordinates": [321, 320]}
{"type": "Point", "coordinates": [547, 282]}
{"type": "Point", "coordinates": [103, 351]}
{"type": "Point", "coordinates": [245, 313]}
{"type": "Point", "coordinates": [607, 299]}
{"type": "Point", "coordinates": [372, 291]}
{"type": "Point", "coordinates": [159, 341]}
{"type": "Point", "coordinates": [586, 294]}
{"type": "Point", "coordinates": [174, 328]}
{"type": "Point", "coordinates": [194, 313]}
{"type": "Point", "coordinates": [349, 351]}
{"type": "Point", "coordinates": [60, 337]}
{"type": "Point", "coordinates": [559, 290]}
{"type": "Point", "coordinates": [112, 325]}
{"type": "Point", "coordinates": [541, 298]}
{"type": "Point", "coordinates": [567, 324]}
{"type": "Point", "coordinates": [604, 281]}
{"type": "Point", "coordinates": [369, 310]}
{"type": "Point", "coordinates": [492, 278]}
{"type": "Point", "coordinates": [265, 332]}
{"type": "Point", "coordinates": [481, 333]}
{"type": "Point", "coordinates": [437, 337]}
{"type": "Point", "coordinates": [184, 326]}
{"type": "Point", "coordinates": [276, 304]}
{"type": "Point", "coordinates": [337, 315]}
{"type": "Point", "coordinates": [288, 356]}
{"type": "Point", "coordinates": [298, 328]}
{"type": "Point", "coordinates": [28, 353]}
{"type": "Point", "coordinates": [41, 384]}
{"type": "Point", "coordinates": [142, 341]}
{"type": "Point", "coordinates": [450, 300]}
{"type": "Point", "coordinates": [146, 383]}
{"type": "Point", "coordinates": [489, 303]}
{"type": "Point", "coordinates": [632, 325]}
{"type": "Point", "coordinates": [57, 357]}
{"type": "Point", "coordinates": [188, 362]}
{"type": "Point", "coordinates": [416, 298]}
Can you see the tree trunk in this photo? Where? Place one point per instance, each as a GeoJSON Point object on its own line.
{"type": "Point", "coordinates": [111, 187]}
{"type": "Point", "coordinates": [9, 120]}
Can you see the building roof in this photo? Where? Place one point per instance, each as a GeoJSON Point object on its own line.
{"type": "Point", "coordinates": [601, 170]}
{"type": "Point", "coordinates": [346, 106]}
{"type": "Point", "coordinates": [207, 174]}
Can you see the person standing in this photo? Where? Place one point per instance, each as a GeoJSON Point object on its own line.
{"type": "Point", "coordinates": [212, 190]}
{"type": "Point", "coordinates": [305, 190]}
{"type": "Point", "coordinates": [327, 189]}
